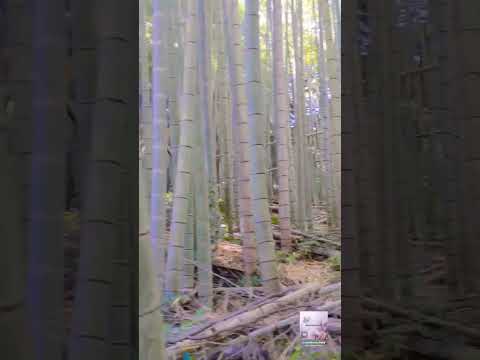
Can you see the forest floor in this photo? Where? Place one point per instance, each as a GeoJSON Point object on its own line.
{"type": "Point", "coordinates": [308, 261]}
{"type": "Point", "coordinates": [246, 323]}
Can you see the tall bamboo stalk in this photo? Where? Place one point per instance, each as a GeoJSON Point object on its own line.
{"type": "Point", "coordinates": [225, 130]}
{"type": "Point", "coordinates": [239, 104]}
{"type": "Point", "coordinates": [333, 70]}
{"type": "Point", "coordinates": [145, 96]}
{"type": "Point", "coordinates": [203, 252]}
{"type": "Point", "coordinates": [205, 86]}
{"type": "Point", "coordinates": [174, 64]}
{"type": "Point", "coordinates": [281, 118]}
{"type": "Point", "coordinates": [256, 126]}
{"type": "Point", "coordinates": [150, 322]}
{"type": "Point", "coordinates": [159, 138]}
{"type": "Point", "coordinates": [183, 178]}
{"type": "Point", "coordinates": [297, 33]}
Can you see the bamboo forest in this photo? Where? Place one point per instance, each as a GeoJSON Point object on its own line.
{"type": "Point", "coordinates": [239, 177]}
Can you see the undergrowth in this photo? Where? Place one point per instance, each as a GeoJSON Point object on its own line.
{"type": "Point", "coordinates": [300, 354]}
{"type": "Point", "coordinates": [335, 262]}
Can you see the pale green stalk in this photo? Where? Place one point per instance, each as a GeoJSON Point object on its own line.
{"type": "Point", "coordinates": [183, 178]}
{"type": "Point", "coordinates": [333, 70]}
{"type": "Point", "coordinates": [281, 119]}
{"type": "Point", "coordinates": [256, 125]}
{"type": "Point", "coordinates": [240, 132]}
{"type": "Point", "coordinates": [151, 332]}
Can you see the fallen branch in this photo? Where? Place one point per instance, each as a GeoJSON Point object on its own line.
{"type": "Point", "coordinates": [197, 264]}
{"type": "Point", "coordinates": [277, 236]}
{"type": "Point", "coordinates": [329, 249]}
{"type": "Point", "coordinates": [225, 326]}
{"type": "Point", "coordinates": [417, 316]}
{"type": "Point", "coordinates": [267, 309]}
{"type": "Point", "coordinates": [333, 327]}
{"type": "Point", "coordinates": [316, 238]}
{"type": "Point", "coordinates": [249, 307]}
{"type": "Point", "coordinates": [328, 253]}
{"type": "Point", "coordinates": [238, 289]}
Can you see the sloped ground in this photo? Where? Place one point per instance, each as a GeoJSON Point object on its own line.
{"type": "Point", "coordinates": [275, 336]}
{"type": "Point", "coordinates": [311, 259]}
{"type": "Point", "coordinates": [257, 327]}
{"type": "Point", "coordinates": [292, 271]}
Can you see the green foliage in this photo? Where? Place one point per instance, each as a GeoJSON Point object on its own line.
{"type": "Point", "coordinates": [310, 49]}
{"type": "Point", "coordinates": [241, 10]}
{"type": "Point", "coordinates": [222, 206]}
{"type": "Point", "coordinates": [289, 257]}
{"type": "Point", "coordinates": [199, 314]}
{"type": "Point", "coordinates": [224, 214]}
{"type": "Point", "coordinates": [148, 31]}
{"type": "Point", "coordinates": [305, 250]}
{"type": "Point", "coordinates": [300, 354]}
{"type": "Point", "coordinates": [256, 281]}
{"type": "Point", "coordinates": [230, 238]}
{"type": "Point", "coordinates": [168, 198]}
{"type": "Point", "coordinates": [335, 262]}
{"type": "Point", "coordinates": [296, 353]}
{"type": "Point", "coordinates": [275, 220]}
{"type": "Point", "coordinates": [186, 324]}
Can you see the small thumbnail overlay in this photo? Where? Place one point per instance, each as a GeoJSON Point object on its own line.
{"type": "Point", "coordinates": [313, 328]}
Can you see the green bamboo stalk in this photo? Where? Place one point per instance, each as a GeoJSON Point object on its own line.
{"type": "Point", "coordinates": [203, 252]}
{"type": "Point", "coordinates": [159, 138]}
{"type": "Point", "coordinates": [297, 34]}
{"type": "Point", "coordinates": [281, 118]}
{"type": "Point", "coordinates": [240, 132]}
{"type": "Point", "coordinates": [189, 250]}
{"type": "Point", "coordinates": [151, 332]}
{"type": "Point", "coordinates": [208, 129]}
{"type": "Point", "coordinates": [183, 178]}
{"type": "Point", "coordinates": [258, 175]}
{"type": "Point", "coordinates": [145, 94]}
{"type": "Point", "coordinates": [173, 68]}
{"type": "Point", "coordinates": [333, 69]}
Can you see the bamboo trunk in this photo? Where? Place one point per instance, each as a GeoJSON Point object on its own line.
{"type": "Point", "coordinates": [183, 178]}
{"type": "Point", "coordinates": [281, 119]}
{"type": "Point", "coordinates": [239, 103]}
{"type": "Point", "coordinates": [263, 223]}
